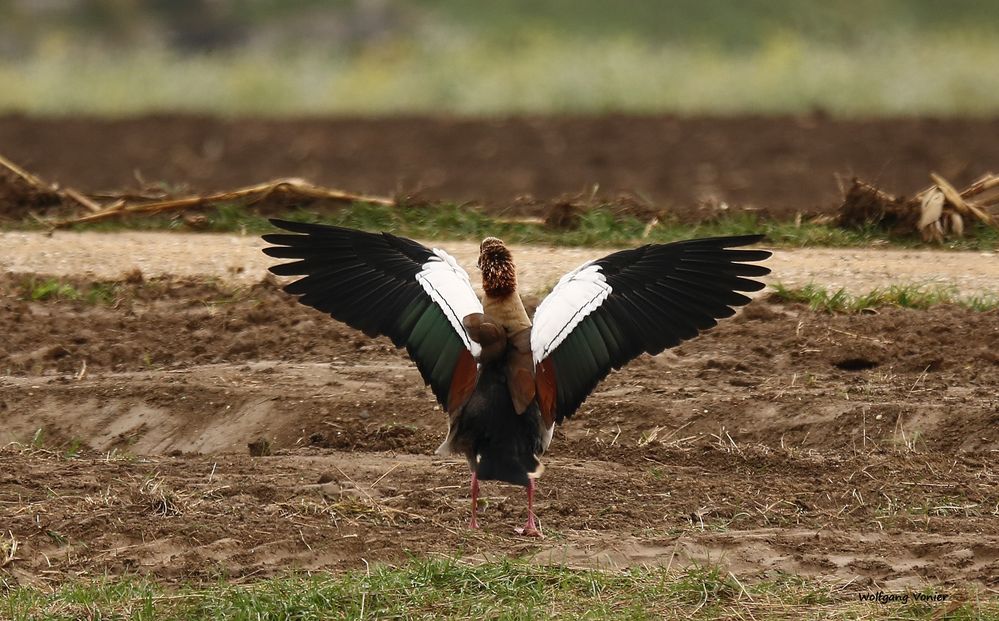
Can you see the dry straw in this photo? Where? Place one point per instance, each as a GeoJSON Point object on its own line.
{"type": "Point", "coordinates": [937, 213]}
{"type": "Point", "coordinates": [107, 206]}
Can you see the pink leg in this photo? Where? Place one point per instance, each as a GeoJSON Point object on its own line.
{"type": "Point", "coordinates": [530, 529]}
{"type": "Point", "coordinates": [475, 501]}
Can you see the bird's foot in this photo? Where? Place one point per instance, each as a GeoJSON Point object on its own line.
{"type": "Point", "coordinates": [530, 529]}
{"type": "Point", "coordinates": [473, 523]}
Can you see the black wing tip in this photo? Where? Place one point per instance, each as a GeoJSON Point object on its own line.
{"type": "Point", "coordinates": [287, 225]}
{"type": "Point", "coordinates": [752, 286]}
{"type": "Point", "coordinates": [728, 241]}
{"type": "Point", "coordinates": [736, 241]}
{"type": "Point", "coordinates": [277, 240]}
{"type": "Point", "coordinates": [327, 230]}
{"type": "Point", "coordinates": [300, 227]}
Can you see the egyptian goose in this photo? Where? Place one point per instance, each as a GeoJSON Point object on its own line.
{"type": "Point", "coordinates": [504, 380]}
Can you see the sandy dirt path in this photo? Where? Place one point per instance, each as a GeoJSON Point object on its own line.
{"type": "Point", "coordinates": [238, 257]}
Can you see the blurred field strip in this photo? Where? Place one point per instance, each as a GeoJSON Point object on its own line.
{"type": "Point", "coordinates": [919, 73]}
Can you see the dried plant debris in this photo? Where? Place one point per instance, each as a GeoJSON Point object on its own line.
{"type": "Point", "coordinates": [36, 192]}
{"type": "Point", "coordinates": [938, 213]}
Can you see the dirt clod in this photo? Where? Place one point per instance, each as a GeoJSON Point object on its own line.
{"type": "Point", "coordinates": [260, 448]}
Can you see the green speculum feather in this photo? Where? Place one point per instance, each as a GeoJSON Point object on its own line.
{"type": "Point", "coordinates": [411, 315]}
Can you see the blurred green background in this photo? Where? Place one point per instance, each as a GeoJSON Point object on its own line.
{"type": "Point", "coordinates": [852, 58]}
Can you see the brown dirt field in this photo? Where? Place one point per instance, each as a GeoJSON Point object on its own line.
{"type": "Point", "coordinates": [848, 448]}
{"type": "Point", "coordinates": [780, 166]}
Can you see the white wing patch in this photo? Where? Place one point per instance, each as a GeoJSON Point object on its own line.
{"type": "Point", "coordinates": [576, 295]}
{"type": "Point", "coordinates": [448, 286]}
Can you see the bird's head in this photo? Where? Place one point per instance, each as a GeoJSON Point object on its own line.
{"type": "Point", "coordinates": [499, 277]}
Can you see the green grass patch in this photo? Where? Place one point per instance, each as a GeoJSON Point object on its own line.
{"type": "Point", "coordinates": [450, 589]}
{"type": "Point", "coordinates": [599, 226]}
{"type": "Point", "coordinates": [921, 297]}
{"type": "Point", "coordinates": [213, 292]}
{"type": "Point", "coordinates": [50, 289]}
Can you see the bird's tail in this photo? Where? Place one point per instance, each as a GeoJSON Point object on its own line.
{"type": "Point", "coordinates": [515, 469]}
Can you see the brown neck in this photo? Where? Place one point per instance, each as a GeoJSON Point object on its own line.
{"type": "Point", "coordinates": [499, 282]}
{"type": "Point", "coordinates": [499, 276]}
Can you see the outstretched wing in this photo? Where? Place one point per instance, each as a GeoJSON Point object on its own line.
{"type": "Point", "coordinates": [387, 285]}
{"type": "Point", "coordinates": [606, 312]}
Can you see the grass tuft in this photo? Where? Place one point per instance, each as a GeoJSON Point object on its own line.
{"type": "Point", "coordinates": [447, 588]}
{"type": "Point", "coordinates": [53, 289]}
{"type": "Point", "coordinates": [920, 297]}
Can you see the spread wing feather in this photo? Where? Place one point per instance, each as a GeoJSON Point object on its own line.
{"type": "Point", "coordinates": [607, 312]}
{"type": "Point", "coordinates": [382, 284]}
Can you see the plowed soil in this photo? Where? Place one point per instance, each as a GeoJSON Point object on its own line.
{"type": "Point", "coordinates": [777, 166]}
{"type": "Point", "coordinates": [849, 448]}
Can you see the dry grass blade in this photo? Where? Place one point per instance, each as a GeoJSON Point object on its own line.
{"type": "Point", "coordinates": [648, 227]}
{"type": "Point", "coordinates": [650, 437]}
{"type": "Point", "coordinates": [982, 184]}
{"type": "Point", "coordinates": [956, 199]}
{"type": "Point", "coordinates": [930, 211]}
{"type": "Point", "coordinates": [957, 224]}
{"type": "Point", "coordinates": [931, 208]}
{"type": "Point", "coordinates": [38, 184]}
{"type": "Point", "coordinates": [86, 201]}
{"type": "Point", "coordinates": [23, 174]}
{"type": "Point", "coordinates": [985, 190]}
{"type": "Point", "coordinates": [950, 193]}
{"type": "Point", "coordinates": [8, 549]}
